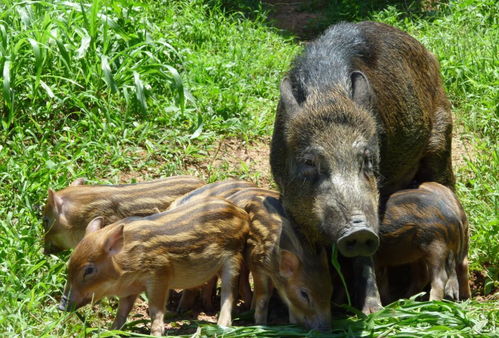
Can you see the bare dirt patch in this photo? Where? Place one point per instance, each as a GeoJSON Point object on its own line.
{"type": "Point", "coordinates": [294, 16]}
{"type": "Point", "coordinates": [237, 158]}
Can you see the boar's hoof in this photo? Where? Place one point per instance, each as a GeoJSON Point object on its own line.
{"type": "Point", "coordinates": [358, 242]}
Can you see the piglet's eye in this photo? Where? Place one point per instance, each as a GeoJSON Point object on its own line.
{"type": "Point", "coordinates": [304, 295]}
{"type": "Point", "coordinates": [89, 270]}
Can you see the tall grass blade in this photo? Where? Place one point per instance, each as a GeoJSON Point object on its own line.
{"type": "Point", "coordinates": [7, 95]}
{"type": "Point", "coordinates": [49, 91]}
{"type": "Point", "coordinates": [337, 267]}
{"type": "Point", "coordinates": [108, 75]}
{"type": "Point", "coordinates": [139, 92]}
{"type": "Point", "coordinates": [85, 44]}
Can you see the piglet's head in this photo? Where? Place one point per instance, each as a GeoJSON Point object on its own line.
{"type": "Point", "coordinates": [306, 288]}
{"type": "Point", "coordinates": [92, 274]}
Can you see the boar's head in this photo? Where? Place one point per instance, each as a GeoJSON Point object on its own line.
{"type": "Point", "coordinates": [324, 157]}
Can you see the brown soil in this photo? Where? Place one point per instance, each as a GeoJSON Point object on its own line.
{"type": "Point", "coordinates": [247, 160]}
{"type": "Point", "coordinates": [294, 16]}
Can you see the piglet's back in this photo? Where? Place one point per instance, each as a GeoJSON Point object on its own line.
{"type": "Point", "coordinates": [185, 232]}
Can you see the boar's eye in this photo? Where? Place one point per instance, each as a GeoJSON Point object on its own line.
{"type": "Point", "coordinates": [88, 271]}
{"type": "Point", "coordinates": [304, 295]}
{"type": "Point", "coordinates": [308, 166]}
{"type": "Point", "coordinates": [367, 161]}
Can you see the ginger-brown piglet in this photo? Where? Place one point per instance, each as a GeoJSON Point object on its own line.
{"type": "Point", "coordinates": [180, 248]}
{"type": "Point", "coordinates": [69, 210]}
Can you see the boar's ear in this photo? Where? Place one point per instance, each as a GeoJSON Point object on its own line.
{"type": "Point", "coordinates": [114, 240]}
{"type": "Point", "coordinates": [361, 90]}
{"type": "Point", "coordinates": [288, 264]}
{"type": "Point", "coordinates": [96, 224]}
{"type": "Point", "coordinates": [56, 200]}
{"type": "Point", "coordinates": [288, 99]}
{"type": "Point", "coordinates": [78, 181]}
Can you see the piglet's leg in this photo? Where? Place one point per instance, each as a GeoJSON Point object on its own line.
{"type": "Point", "coordinates": [187, 300]}
{"type": "Point", "coordinates": [124, 307]}
{"type": "Point", "coordinates": [261, 297]}
{"type": "Point", "coordinates": [452, 286]}
{"type": "Point", "coordinates": [229, 275]}
{"type": "Point", "coordinates": [157, 293]}
{"type": "Point", "coordinates": [244, 285]}
{"type": "Point", "coordinates": [462, 275]}
{"type": "Point", "coordinates": [207, 292]}
{"type": "Point", "coordinates": [436, 259]}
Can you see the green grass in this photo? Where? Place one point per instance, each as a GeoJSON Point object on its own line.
{"type": "Point", "coordinates": [113, 90]}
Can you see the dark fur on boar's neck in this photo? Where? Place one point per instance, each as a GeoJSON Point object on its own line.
{"type": "Point", "coordinates": [362, 114]}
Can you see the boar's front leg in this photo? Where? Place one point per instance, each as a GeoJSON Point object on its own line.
{"type": "Point", "coordinates": [124, 308]}
{"type": "Point", "coordinates": [366, 295]}
{"type": "Point", "coordinates": [157, 293]}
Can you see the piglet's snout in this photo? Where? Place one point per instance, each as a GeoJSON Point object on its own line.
{"type": "Point", "coordinates": [63, 305]}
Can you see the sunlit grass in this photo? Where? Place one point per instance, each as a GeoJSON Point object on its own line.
{"type": "Point", "coordinates": [119, 90]}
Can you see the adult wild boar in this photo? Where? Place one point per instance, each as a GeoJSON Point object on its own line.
{"type": "Point", "coordinates": [362, 114]}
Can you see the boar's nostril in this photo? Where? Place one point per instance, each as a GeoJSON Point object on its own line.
{"type": "Point", "coordinates": [359, 242]}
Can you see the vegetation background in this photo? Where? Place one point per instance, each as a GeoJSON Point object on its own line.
{"type": "Point", "coordinates": [123, 91]}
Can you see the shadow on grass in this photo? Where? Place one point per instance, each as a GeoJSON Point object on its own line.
{"type": "Point", "coordinates": [306, 19]}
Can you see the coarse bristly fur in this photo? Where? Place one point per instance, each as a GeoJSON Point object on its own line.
{"type": "Point", "coordinates": [362, 114]}
{"type": "Point", "coordinates": [68, 211]}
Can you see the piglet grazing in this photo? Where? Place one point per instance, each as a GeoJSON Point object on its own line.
{"type": "Point", "coordinates": [426, 228]}
{"type": "Point", "coordinates": [278, 257]}
{"type": "Point", "coordinates": [180, 248]}
{"type": "Point", "coordinates": [69, 210]}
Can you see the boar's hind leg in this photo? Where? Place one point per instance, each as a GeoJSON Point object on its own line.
{"type": "Point", "coordinates": [261, 297]}
{"type": "Point", "coordinates": [229, 275]}
{"type": "Point", "coordinates": [157, 293]}
{"type": "Point", "coordinates": [366, 295]}
{"type": "Point", "coordinates": [124, 308]}
{"type": "Point", "coordinates": [436, 164]}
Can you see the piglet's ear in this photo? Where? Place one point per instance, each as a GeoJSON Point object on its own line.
{"type": "Point", "coordinates": [78, 181]}
{"type": "Point", "coordinates": [114, 240]}
{"type": "Point", "coordinates": [96, 224]}
{"type": "Point", "coordinates": [288, 264]}
{"type": "Point", "coordinates": [56, 200]}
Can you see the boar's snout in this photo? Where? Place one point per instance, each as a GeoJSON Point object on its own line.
{"type": "Point", "coordinates": [358, 241]}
